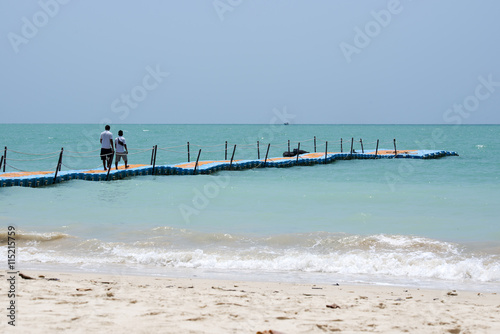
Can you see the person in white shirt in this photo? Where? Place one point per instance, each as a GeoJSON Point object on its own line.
{"type": "Point", "coordinates": [121, 149]}
{"type": "Point", "coordinates": [106, 147]}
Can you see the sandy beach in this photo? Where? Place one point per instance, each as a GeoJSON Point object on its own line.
{"type": "Point", "coordinates": [48, 302]}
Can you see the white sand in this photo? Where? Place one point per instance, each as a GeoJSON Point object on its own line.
{"type": "Point", "coordinates": [95, 303]}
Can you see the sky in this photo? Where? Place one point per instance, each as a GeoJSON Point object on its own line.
{"type": "Point", "coordinates": [250, 61]}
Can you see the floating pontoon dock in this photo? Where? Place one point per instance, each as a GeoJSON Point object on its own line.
{"type": "Point", "coordinates": [38, 179]}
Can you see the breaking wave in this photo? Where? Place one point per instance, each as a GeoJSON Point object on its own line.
{"type": "Point", "coordinates": [379, 255]}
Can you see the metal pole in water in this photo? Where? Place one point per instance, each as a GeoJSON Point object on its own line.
{"type": "Point", "coordinates": [110, 164]}
{"type": "Point", "coordinates": [267, 153]}
{"type": "Point", "coordinates": [152, 155]}
{"type": "Point", "coordinates": [395, 151]}
{"type": "Point", "coordinates": [288, 145]}
{"type": "Point", "coordinates": [60, 163]}
{"type": "Point", "coordinates": [341, 150]}
{"type": "Point", "coordinates": [58, 167]}
{"type": "Point", "coordinates": [352, 143]}
{"type": "Point", "coordinates": [196, 165]}
{"type": "Point", "coordinates": [258, 150]}
{"type": "Point", "coordinates": [4, 158]}
{"type": "Point", "coordinates": [189, 154]}
{"type": "Point", "coordinates": [154, 160]}
{"type": "Point", "coordinates": [225, 155]}
{"type": "Point", "coordinates": [314, 144]}
{"type": "Point", "coordinates": [362, 149]}
{"type": "Point", "coordinates": [376, 150]}
{"type": "Point", "coordinates": [326, 150]}
{"type": "Point", "coordinates": [298, 150]}
{"type": "Point", "coordinates": [1, 161]}
{"type": "Point", "coordinates": [232, 157]}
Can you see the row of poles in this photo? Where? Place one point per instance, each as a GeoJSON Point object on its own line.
{"type": "Point", "coordinates": [154, 150]}
{"type": "Point", "coordinates": [3, 158]}
{"type": "Point", "coordinates": [258, 148]}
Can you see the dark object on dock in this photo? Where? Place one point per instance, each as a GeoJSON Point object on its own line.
{"type": "Point", "coordinates": [293, 153]}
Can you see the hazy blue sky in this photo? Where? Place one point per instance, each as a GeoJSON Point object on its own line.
{"type": "Point", "coordinates": [239, 61]}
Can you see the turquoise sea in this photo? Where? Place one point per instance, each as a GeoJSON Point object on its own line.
{"type": "Point", "coordinates": [426, 223]}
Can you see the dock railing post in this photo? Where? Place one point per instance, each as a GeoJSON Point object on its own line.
{"type": "Point", "coordinates": [341, 148]}
{"type": "Point", "coordinates": [110, 164]}
{"type": "Point", "coordinates": [362, 149]}
{"type": "Point", "coordinates": [326, 149]}
{"type": "Point", "coordinates": [58, 167]}
{"type": "Point", "coordinates": [1, 162]}
{"type": "Point", "coordinates": [298, 150]}
{"type": "Point", "coordinates": [225, 155]}
{"type": "Point", "coordinates": [314, 144]}
{"type": "Point", "coordinates": [376, 150]}
{"type": "Point", "coordinates": [189, 154]}
{"type": "Point", "coordinates": [289, 146]}
{"type": "Point", "coordinates": [267, 153]}
{"type": "Point", "coordinates": [258, 150]}
{"type": "Point", "coordinates": [4, 158]}
{"type": "Point", "coordinates": [352, 143]}
{"type": "Point", "coordinates": [395, 151]}
{"type": "Point", "coordinates": [152, 155]}
{"type": "Point", "coordinates": [232, 157]}
{"type": "Point", "coordinates": [154, 160]}
{"type": "Point", "coordinates": [61, 154]}
{"type": "Point", "coordinates": [196, 165]}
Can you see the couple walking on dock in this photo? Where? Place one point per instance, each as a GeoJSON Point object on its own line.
{"type": "Point", "coordinates": [107, 148]}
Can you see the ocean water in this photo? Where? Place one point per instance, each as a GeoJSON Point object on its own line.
{"type": "Point", "coordinates": [425, 223]}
